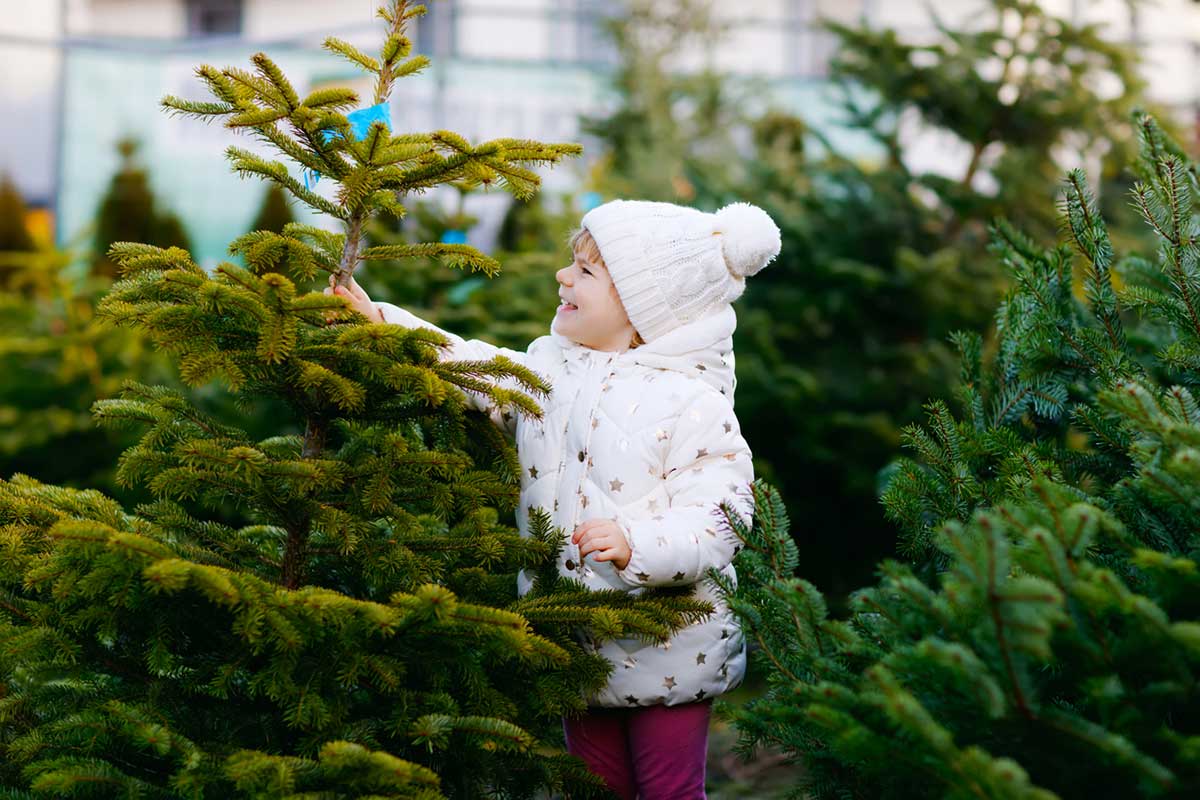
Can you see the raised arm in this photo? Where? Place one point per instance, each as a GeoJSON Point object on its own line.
{"type": "Point", "coordinates": [460, 349]}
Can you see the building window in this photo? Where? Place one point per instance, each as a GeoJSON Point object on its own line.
{"type": "Point", "coordinates": [214, 17]}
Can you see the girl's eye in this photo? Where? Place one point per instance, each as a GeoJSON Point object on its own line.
{"type": "Point", "coordinates": [586, 271]}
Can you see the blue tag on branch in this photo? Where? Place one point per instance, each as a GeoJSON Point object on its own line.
{"type": "Point", "coordinates": [454, 237]}
{"type": "Point", "coordinates": [360, 124]}
{"type": "Point", "coordinates": [459, 293]}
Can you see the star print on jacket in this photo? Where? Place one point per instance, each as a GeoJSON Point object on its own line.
{"type": "Point", "coordinates": [669, 454]}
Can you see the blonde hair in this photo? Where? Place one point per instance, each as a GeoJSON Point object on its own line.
{"type": "Point", "coordinates": [581, 241]}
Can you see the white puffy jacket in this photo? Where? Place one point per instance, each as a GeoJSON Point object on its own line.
{"type": "Point", "coordinates": [646, 437]}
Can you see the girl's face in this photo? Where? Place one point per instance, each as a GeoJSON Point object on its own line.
{"type": "Point", "coordinates": [591, 313]}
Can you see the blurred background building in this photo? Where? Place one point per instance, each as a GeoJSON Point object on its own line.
{"type": "Point", "coordinates": [76, 76]}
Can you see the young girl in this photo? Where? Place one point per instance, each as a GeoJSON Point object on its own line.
{"type": "Point", "coordinates": [637, 447]}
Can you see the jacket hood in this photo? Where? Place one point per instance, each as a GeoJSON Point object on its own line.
{"type": "Point", "coordinates": [702, 348]}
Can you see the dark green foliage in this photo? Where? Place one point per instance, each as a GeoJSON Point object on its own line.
{"type": "Point", "coordinates": [880, 264]}
{"type": "Point", "coordinates": [14, 235]}
{"type": "Point", "coordinates": [57, 359]}
{"type": "Point", "coordinates": [1046, 643]}
{"type": "Point", "coordinates": [840, 338]}
{"type": "Point", "coordinates": [328, 610]}
{"type": "Point", "coordinates": [129, 213]}
{"type": "Point", "coordinates": [672, 132]}
{"type": "Point", "coordinates": [275, 211]}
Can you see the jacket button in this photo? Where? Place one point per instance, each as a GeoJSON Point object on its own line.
{"type": "Point", "coordinates": [570, 564]}
{"type": "Point", "coordinates": [581, 455]}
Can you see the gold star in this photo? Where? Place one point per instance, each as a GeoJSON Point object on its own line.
{"type": "Point", "coordinates": [615, 485]}
{"type": "Point", "coordinates": [631, 699]}
{"type": "Point", "coordinates": [724, 633]}
{"type": "Point", "coordinates": [533, 472]}
{"type": "Point", "coordinates": [660, 434]}
{"type": "Point", "coordinates": [669, 681]}
{"type": "Point", "coordinates": [700, 695]}
{"type": "Point", "coordinates": [641, 576]}
{"type": "Point", "coordinates": [702, 452]}
{"type": "Point", "coordinates": [728, 427]}
{"type": "Point", "coordinates": [700, 658]}
{"type": "Point", "coordinates": [678, 576]}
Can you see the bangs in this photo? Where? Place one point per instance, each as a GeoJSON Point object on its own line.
{"type": "Point", "coordinates": [583, 243]}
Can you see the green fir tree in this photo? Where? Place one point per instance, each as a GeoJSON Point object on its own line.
{"type": "Point", "coordinates": [129, 212]}
{"type": "Point", "coordinates": [57, 359]}
{"type": "Point", "coordinates": [14, 233]}
{"type": "Point", "coordinates": [357, 633]}
{"type": "Point", "coordinates": [843, 336]}
{"type": "Point", "coordinates": [275, 212]}
{"type": "Point", "coordinates": [1045, 643]}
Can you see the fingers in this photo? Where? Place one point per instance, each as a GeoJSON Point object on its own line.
{"type": "Point", "coordinates": [581, 529]}
{"type": "Point", "coordinates": [596, 540]}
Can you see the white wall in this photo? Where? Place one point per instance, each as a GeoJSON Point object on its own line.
{"type": "Point", "coordinates": [156, 19]}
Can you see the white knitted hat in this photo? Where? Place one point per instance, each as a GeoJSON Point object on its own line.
{"type": "Point", "coordinates": [672, 264]}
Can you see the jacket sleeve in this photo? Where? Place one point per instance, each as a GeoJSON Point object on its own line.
{"type": "Point", "coordinates": [465, 350]}
{"type": "Point", "coordinates": [708, 462]}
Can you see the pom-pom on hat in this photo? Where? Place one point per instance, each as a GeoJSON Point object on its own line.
{"type": "Point", "coordinates": [672, 264]}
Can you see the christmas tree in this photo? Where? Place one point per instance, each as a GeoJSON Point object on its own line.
{"type": "Point", "coordinates": [130, 212]}
{"type": "Point", "coordinates": [14, 234]}
{"type": "Point", "coordinates": [57, 358]}
{"type": "Point", "coordinates": [356, 633]}
{"type": "Point", "coordinates": [1045, 643]}
{"type": "Point", "coordinates": [275, 212]}
{"type": "Point", "coordinates": [839, 342]}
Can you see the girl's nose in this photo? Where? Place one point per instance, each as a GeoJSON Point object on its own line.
{"type": "Point", "coordinates": [562, 274]}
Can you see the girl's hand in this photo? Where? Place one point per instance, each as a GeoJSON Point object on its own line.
{"type": "Point", "coordinates": [357, 298]}
{"type": "Point", "coordinates": [604, 537]}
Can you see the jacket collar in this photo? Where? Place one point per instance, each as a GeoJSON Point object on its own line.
{"type": "Point", "coordinates": [702, 348]}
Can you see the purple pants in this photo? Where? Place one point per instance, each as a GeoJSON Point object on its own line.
{"type": "Point", "coordinates": [648, 752]}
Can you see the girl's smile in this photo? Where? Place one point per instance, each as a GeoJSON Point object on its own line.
{"type": "Point", "coordinates": [605, 326]}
